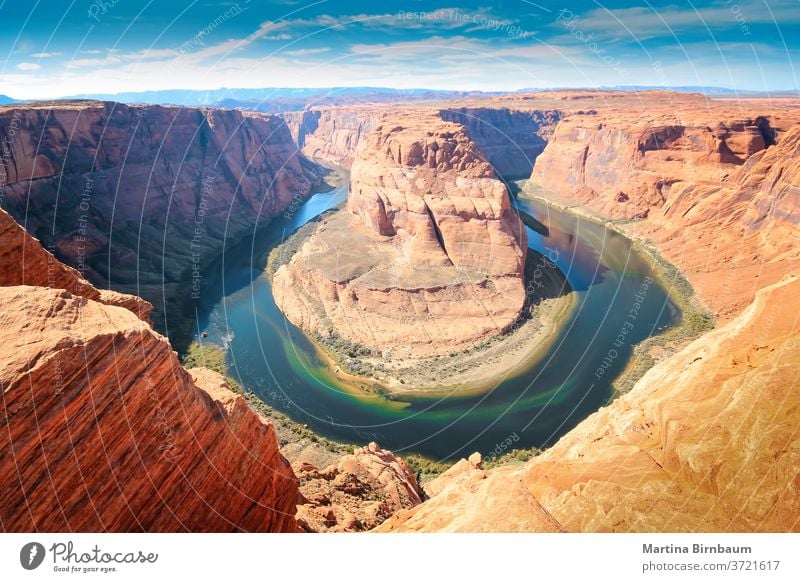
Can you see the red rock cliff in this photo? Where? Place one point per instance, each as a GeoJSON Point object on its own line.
{"type": "Point", "coordinates": [706, 441]}
{"type": "Point", "coordinates": [103, 430]}
{"type": "Point", "coordinates": [714, 182]}
{"type": "Point", "coordinates": [136, 197]}
{"type": "Point", "coordinates": [331, 134]}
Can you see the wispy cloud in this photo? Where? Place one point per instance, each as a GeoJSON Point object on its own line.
{"type": "Point", "coordinates": [45, 55]}
{"type": "Point", "coordinates": [641, 23]}
{"type": "Point", "coordinates": [305, 52]}
{"type": "Point", "coordinates": [29, 66]}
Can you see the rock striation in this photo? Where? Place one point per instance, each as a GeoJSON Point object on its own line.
{"type": "Point", "coordinates": [428, 256]}
{"type": "Point", "coordinates": [102, 430]}
{"type": "Point", "coordinates": [712, 185]}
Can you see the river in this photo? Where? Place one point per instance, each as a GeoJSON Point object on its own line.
{"type": "Point", "coordinates": [617, 305]}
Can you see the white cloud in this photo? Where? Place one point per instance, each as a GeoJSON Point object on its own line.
{"type": "Point", "coordinates": [28, 66]}
{"type": "Point", "coordinates": [304, 52]}
{"type": "Point", "coordinates": [45, 55]}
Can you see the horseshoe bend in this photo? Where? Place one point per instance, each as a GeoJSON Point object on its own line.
{"type": "Point", "coordinates": [426, 260]}
{"type": "Point", "coordinates": [563, 311]}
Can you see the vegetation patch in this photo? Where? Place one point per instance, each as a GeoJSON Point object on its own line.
{"type": "Point", "coordinates": [425, 469]}
{"type": "Point", "coordinates": [695, 321]}
{"type": "Point", "coordinates": [512, 457]}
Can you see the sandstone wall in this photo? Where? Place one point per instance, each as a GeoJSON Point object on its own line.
{"type": "Point", "coordinates": [137, 196]}
{"type": "Point", "coordinates": [102, 430]}
{"type": "Point", "coordinates": [712, 185]}
{"type": "Point", "coordinates": [510, 140]}
{"type": "Point", "coordinates": [331, 134]}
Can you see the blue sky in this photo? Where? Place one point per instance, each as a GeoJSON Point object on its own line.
{"type": "Point", "coordinates": [56, 48]}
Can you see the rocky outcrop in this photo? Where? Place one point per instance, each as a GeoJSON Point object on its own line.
{"type": "Point", "coordinates": [510, 140]}
{"type": "Point", "coordinates": [102, 430]}
{"type": "Point", "coordinates": [141, 198]}
{"type": "Point", "coordinates": [735, 236]}
{"type": "Point", "coordinates": [331, 134]}
{"type": "Point", "coordinates": [713, 184]}
{"type": "Point", "coordinates": [23, 261]}
{"type": "Point", "coordinates": [427, 258]}
{"type": "Point", "coordinates": [357, 493]}
{"type": "Point", "coordinates": [706, 441]}
{"type": "Point", "coordinates": [624, 165]}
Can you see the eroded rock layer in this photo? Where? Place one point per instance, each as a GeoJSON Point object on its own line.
{"type": "Point", "coordinates": [331, 134]}
{"type": "Point", "coordinates": [706, 440]}
{"type": "Point", "coordinates": [357, 493]}
{"type": "Point", "coordinates": [509, 139]}
{"type": "Point", "coordinates": [427, 258]}
{"type": "Point", "coordinates": [102, 430]}
{"type": "Point", "coordinates": [713, 184]}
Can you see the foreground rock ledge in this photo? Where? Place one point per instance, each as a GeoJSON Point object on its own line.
{"type": "Point", "coordinates": [103, 430]}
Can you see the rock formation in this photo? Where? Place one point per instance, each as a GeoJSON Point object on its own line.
{"type": "Point", "coordinates": [427, 258]}
{"type": "Point", "coordinates": [23, 261]}
{"type": "Point", "coordinates": [103, 430]}
{"type": "Point", "coordinates": [140, 198]}
{"type": "Point", "coordinates": [706, 441]}
{"type": "Point", "coordinates": [331, 134]}
{"type": "Point", "coordinates": [357, 493]}
{"type": "Point", "coordinates": [715, 183]}
{"type": "Point", "coordinates": [509, 139]}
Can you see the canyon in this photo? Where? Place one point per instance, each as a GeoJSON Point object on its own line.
{"type": "Point", "coordinates": [428, 257]}
{"type": "Point", "coordinates": [140, 199]}
{"type": "Point", "coordinates": [704, 441]}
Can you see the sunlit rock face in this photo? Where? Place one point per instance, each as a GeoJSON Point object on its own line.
{"type": "Point", "coordinates": [103, 430]}
{"type": "Point", "coordinates": [428, 256]}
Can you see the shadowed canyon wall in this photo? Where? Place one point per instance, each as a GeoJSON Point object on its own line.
{"type": "Point", "coordinates": [331, 134]}
{"type": "Point", "coordinates": [141, 198]}
{"type": "Point", "coordinates": [510, 140]}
